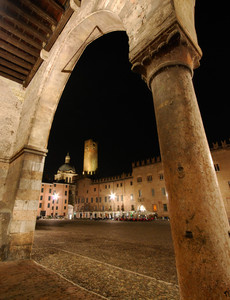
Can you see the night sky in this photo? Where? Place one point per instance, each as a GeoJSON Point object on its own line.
{"type": "Point", "coordinates": [104, 100]}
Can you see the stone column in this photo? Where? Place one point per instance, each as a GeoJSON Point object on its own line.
{"type": "Point", "coordinates": [23, 186]}
{"type": "Point", "coordinates": [198, 219]}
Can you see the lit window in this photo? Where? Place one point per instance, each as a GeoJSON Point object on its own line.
{"type": "Point", "coordinates": [154, 207]}
{"type": "Point", "coordinates": [131, 196]}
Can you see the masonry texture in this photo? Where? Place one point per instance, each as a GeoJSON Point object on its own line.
{"type": "Point", "coordinates": [163, 48]}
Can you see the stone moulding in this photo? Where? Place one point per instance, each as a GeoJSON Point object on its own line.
{"type": "Point", "coordinates": [172, 36]}
{"type": "Point", "coordinates": [28, 149]}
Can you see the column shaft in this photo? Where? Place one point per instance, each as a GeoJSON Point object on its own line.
{"type": "Point", "coordinates": [199, 222]}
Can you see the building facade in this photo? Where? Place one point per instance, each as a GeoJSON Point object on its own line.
{"type": "Point", "coordinates": [143, 192]}
{"type": "Point", "coordinates": [53, 200]}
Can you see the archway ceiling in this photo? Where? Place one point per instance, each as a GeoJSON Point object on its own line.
{"type": "Point", "coordinates": [27, 27]}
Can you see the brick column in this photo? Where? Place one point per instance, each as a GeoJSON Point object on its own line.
{"type": "Point", "coordinates": [23, 186]}
{"type": "Point", "coordinates": [199, 224]}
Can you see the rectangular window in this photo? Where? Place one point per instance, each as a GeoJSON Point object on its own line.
{"type": "Point", "coordinates": [153, 192]}
{"type": "Point", "coordinates": [91, 200]}
{"type": "Point", "coordinates": [40, 205]}
{"type": "Point", "coordinates": [41, 197]}
{"type": "Point", "coordinates": [121, 197]}
{"type": "Point", "coordinates": [56, 207]}
{"type": "Point", "coordinates": [86, 200]}
{"type": "Point", "coordinates": [95, 189]}
{"type": "Point", "coordinates": [117, 197]}
{"type": "Point", "coordinates": [55, 185]}
{"type": "Point", "coordinates": [139, 179]}
{"type": "Point", "coordinates": [154, 207]}
{"type": "Point", "coordinates": [100, 199]}
{"type": "Point", "coordinates": [64, 207]}
{"type": "Point", "coordinates": [131, 197]}
{"type": "Point", "coordinates": [121, 184]}
{"type": "Point", "coordinates": [65, 201]}
{"type": "Point", "coordinates": [132, 207]}
{"type": "Point", "coordinates": [42, 190]}
{"type": "Point", "coordinates": [48, 205]}
{"type": "Point", "coordinates": [106, 186]}
{"type": "Point", "coordinates": [131, 183]}
{"type": "Point", "coordinates": [149, 178]}
{"type": "Point", "coordinates": [105, 199]}
{"type": "Point", "coordinates": [161, 176]}
{"type": "Point", "coordinates": [52, 208]}
{"type": "Point", "coordinates": [217, 167]}
{"type": "Point", "coordinates": [139, 193]}
{"type": "Point", "coordinates": [49, 198]}
{"type": "Point", "coordinates": [229, 183]}
{"type": "Point", "coordinates": [96, 199]}
{"type": "Point", "coordinates": [165, 207]}
{"type": "Point", "coordinates": [65, 193]}
{"type": "Point", "coordinates": [50, 191]}
{"type": "Point", "coordinates": [163, 191]}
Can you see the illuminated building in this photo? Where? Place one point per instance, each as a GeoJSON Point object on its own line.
{"type": "Point", "coordinates": [53, 200]}
{"type": "Point", "coordinates": [141, 193]}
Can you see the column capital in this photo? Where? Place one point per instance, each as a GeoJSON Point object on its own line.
{"type": "Point", "coordinates": [172, 48]}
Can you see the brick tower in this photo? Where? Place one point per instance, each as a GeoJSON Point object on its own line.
{"type": "Point", "coordinates": [90, 157]}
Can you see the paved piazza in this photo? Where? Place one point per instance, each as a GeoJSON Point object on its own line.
{"type": "Point", "coordinates": [110, 259]}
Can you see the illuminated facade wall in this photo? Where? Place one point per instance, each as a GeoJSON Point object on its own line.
{"type": "Point", "coordinates": [90, 157]}
{"type": "Point", "coordinates": [140, 193]}
{"type": "Point", "coordinates": [143, 191]}
{"type": "Point", "coordinates": [53, 200]}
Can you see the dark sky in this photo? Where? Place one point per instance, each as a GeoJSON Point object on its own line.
{"type": "Point", "coordinates": [104, 100]}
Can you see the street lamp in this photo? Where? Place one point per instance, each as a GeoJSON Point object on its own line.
{"type": "Point", "coordinates": [113, 197]}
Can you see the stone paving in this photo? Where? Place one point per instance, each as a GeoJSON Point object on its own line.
{"type": "Point", "coordinates": [103, 260]}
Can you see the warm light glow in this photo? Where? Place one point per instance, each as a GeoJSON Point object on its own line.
{"type": "Point", "coordinates": [112, 196]}
{"type": "Point", "coordinates": [55, 196]}
{"type": "Point", "coordinates": [142, 208]}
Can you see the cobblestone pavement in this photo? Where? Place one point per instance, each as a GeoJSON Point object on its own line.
{"type": "Point", "coordinates": [117, 260]}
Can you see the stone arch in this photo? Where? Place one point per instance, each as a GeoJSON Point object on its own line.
{"type": "Point", "coordinates": [164, 49]}
{"type": "Point", "coordinates": [58, 68]}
